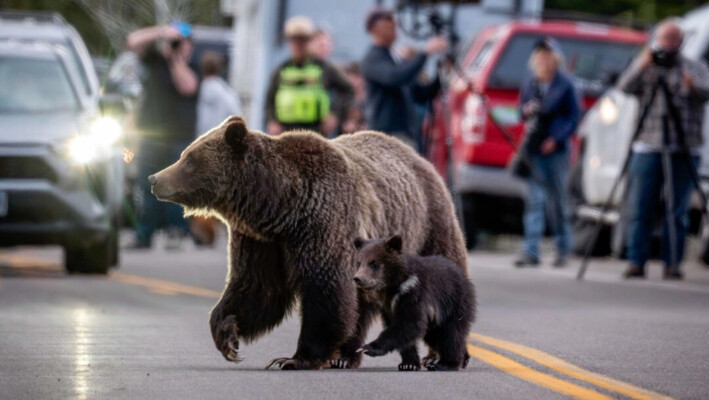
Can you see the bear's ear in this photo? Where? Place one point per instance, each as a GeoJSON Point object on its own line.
{"type": "Point", "coordinates": [235, 133]}
{"type": "Point", "coordinates": [358, 243]}
{"type": "Point", "coordinates": [394, 243]}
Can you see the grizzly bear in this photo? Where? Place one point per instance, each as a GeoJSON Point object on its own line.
{"type": "Point", "coordinates": [293, 204]}
{"type": "Point", "coordinates": [427, 298]}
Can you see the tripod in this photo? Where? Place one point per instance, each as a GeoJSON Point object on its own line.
{"type": "Point", "coordinates": [671, 114]}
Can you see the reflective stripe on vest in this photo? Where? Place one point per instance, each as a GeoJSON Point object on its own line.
{"type": "Point", "coordinates": [301, 97]}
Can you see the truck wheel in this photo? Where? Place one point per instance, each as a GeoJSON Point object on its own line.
{"type": "Point", "coordinates": [91, 259]}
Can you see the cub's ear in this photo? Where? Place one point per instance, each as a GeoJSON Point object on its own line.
{"type": "Point", "coordinates": [358, 243]}
{"type": "Point", "coordinates": [235, 133]}
{"type": "Point", "coordinates": [394, 243]}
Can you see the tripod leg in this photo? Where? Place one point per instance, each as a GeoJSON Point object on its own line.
{"type": "Point", "coordinates": [668, 187]}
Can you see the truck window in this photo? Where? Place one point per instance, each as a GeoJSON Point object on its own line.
{"type": "Point", "coordinates": [482, 57]}
{"type": "Point", "coordinates": [590, 62]}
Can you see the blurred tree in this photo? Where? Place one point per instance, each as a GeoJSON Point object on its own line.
{"type": "Point", "coordinates": [643, 10]}
{"type": "Point", "coordinates": [104, 23]}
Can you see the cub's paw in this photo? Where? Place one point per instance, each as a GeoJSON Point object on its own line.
{"type": "Point", "coordinates": [441, 367]}
{"type": "Point", "coordinates": [226, 338]}
{"type": "Point", "coordinates": [429, 359]}
{"type": "Point", "coordinates": [286, 363]}
{"type": "Point", "coordinates": [409, 367]}
{"type": "Point", "coordinates": [371, 351]}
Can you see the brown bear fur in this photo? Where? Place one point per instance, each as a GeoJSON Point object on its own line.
{"type": "Point", "coordinates": [293, 204]}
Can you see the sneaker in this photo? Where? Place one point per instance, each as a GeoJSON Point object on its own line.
{"type": "Point", "coordinates": [526, 261]}
{"type": "Point", "coordinates": [137, 245]}
{"type": "Point", "coordinates": [559, 261]}
{"type": "Point", "coordinates": [634, 271]}
{"type": "Point", "coordinates": [673, 275]}
{"type": "Point", "coordinates": [174, 238]}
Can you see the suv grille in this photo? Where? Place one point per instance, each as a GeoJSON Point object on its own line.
{"type": "Point", "coordinates": [26, 168]}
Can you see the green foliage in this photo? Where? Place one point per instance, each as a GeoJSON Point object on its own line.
{"type": "Point", "coordinates": [643, 10]}
{"type": "Point", "coordinates": [103, 24]}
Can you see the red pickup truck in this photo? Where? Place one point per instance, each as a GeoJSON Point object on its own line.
{"type": "Point", "coordinates": [490, 198]}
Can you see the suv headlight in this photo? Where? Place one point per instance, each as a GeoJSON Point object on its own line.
{"type": "Point", "coordinates": [98, 144]}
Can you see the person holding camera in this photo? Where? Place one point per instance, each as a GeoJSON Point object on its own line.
{"type": "Point", "coordinates": [166, 121]}
{"type": "Point", "coordinates": [392, 84]}
{"type": "Point", "coordinates": [688, 82]}
{"type": "Point", "coordinates": [549, 104]}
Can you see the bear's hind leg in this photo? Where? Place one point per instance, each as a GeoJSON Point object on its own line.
{"type": "Point", "coordinates": [449, 345]}
{"type": "Point", "coordinates": [410, 360]}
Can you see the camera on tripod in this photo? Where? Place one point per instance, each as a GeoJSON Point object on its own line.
{"type": "Point", "coordinates": [664, 58]}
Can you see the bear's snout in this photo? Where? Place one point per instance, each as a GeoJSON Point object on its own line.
{"type": "Point", "coordinates": [152, 179]}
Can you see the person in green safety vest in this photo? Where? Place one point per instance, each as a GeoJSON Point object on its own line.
{"type": "Point", "coordinates": [306, 92]}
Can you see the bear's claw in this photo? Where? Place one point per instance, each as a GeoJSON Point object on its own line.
{"type": "Point", "coordinates": [286, 363]}
{"type": "Point", "coordinates": [339, 363]}
{"type": "Point", "coordinates": [409, 367]}
{"type": "Point", "coordinates": [227, 339]}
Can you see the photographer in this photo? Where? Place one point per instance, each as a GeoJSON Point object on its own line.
{"type": "Point", "coordinates": [688, 81]}
{"type": "Point", "coordinates": [549, 105]}
{"type": "Point", "coordinates": [166, 121]}
{"type": "Point", "coordinates": [392, 84]}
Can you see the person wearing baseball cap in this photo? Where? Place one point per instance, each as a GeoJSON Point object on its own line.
{"type": "Point", "coordinates": [549, 105]}
{"type": "Point", "coordinates": [300, 89]}
{"type": "Point", "coordinates": [392, 85]}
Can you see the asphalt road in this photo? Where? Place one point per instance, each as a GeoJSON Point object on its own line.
{"type": "Point", "coordinates": [142, 333]}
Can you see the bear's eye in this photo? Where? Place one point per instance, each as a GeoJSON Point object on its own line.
{"type": "Point", "coordinates": [373, 265]}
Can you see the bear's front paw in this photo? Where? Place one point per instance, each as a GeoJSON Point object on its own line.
{"type": "Point", "coordinates": [371, 350]}
{"type": "Point", "coordinates": [226, 338]}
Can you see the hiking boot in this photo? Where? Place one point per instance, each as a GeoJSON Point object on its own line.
{"type": "Point", "coordinates": [634, 271]}
{"type": "Point", "coordinates": [559, 261]}
{"type": "Point", "coordinates": [672, 275]}
{"type": "Point", "coordinates": [526, 261]}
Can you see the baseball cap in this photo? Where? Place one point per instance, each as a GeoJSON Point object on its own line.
{"type": "Point", "coordinates": [548, 43]}
{"type": "Point", "coordinates": [184, 28]}
{"type": "Point", "coordinates": [299, 26]}
{"type": "Point", "coordinates": [375, 15]}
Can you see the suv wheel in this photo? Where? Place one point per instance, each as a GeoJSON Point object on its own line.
{"type": "Point", "coordinates": [113, 246]}
{"type": "Point", "coordinates": [91, 259]}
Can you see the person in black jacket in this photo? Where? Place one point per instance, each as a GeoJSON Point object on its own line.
{"type": "Point", "coordinates": [392, 86]}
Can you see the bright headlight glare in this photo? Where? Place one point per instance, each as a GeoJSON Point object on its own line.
{"type": "Point", "coordinates": [608, 111]}
{"type": "Point", "coordinates": [83, 149]}
{"type": "Point", "coordinates": [106, 130]}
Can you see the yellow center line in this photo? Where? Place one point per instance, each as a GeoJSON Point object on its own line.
{"type": "Point", "coordinates": [503, 363]}
{"type": "Point", "coordinates": [165, 287]}
{"type": "Point", "coordinates": [530, 375]}
{"type": "Point", "coordinates": [571, 370]}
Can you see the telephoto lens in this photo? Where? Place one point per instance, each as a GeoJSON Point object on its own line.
{"type": "Point", "coordinates": [175, 44]}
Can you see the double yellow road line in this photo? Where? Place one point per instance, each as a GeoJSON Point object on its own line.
{"type": "Point", "coordinates": [559, 385]}
{"type": "Point", "coordinates": [565, 384]}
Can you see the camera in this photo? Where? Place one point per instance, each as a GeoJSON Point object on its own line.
{"type": "Point", "coordinates": [175, 44]}
{"type": "Point", "coordinates": [664, 58]}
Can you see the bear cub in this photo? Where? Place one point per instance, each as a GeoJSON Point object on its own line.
{"type": "Point", "coordinates": [419, 297]}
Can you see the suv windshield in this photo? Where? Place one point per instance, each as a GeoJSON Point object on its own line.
{"type": "Point", "coordinates": [592, 64]}
{"type": "Point", "coordinates": [33, 85]}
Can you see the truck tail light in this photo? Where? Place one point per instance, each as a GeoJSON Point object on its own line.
{"type": "Point", "coordinates": [473, 121]}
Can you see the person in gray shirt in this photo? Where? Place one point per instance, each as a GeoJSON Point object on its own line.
{"type": "Point", "coordinates": [217, 100]}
